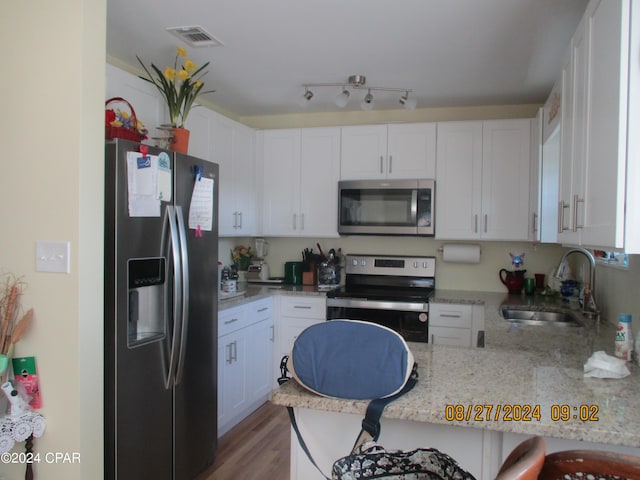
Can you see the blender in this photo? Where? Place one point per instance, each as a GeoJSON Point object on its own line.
{"type": "Point", "coordinates": [260, 269]}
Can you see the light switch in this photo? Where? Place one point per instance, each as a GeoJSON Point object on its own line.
{"type": "Point", "coordinates": [53, 256]}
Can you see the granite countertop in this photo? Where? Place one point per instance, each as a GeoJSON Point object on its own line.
{"type": "Point", "coordinates": [523, 369]}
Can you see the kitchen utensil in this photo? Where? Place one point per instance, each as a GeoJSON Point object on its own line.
{"type": "Point", "coordinates": [513, 280]}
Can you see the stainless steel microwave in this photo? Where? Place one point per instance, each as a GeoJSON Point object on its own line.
{"type": "Point", "coordinates": [386, 207]}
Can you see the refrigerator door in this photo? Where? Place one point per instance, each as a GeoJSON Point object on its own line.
{"type": "Point", "coordinates": [195, 409]}
{"type": "Point", "coordinates": [138, 302]}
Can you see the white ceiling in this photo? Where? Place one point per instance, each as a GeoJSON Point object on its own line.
{"type": "Point", "coordinates": [449, 52]}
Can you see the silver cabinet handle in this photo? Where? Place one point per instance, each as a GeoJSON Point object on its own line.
{"type": "Point", "coordinates": [235, 219]}
{"type": "Point", "coordinates": [390, 163]}
{"type": "Point", "coordinates": [534, 217]}
{"type": "Point", "coordinates": [228, 322]}
{"type": "Point", "coordinates": [574, 225]}
{"type": "Point", "coordinates": [234, 355]}
{"type": "Point", "coordinates": [228, 352]}
{"type": "Point", "coordinates": [263, 309]}
{"type": "Point", "coordinates": [240, 218]}
{"type": "Point", "coordinates": [475, 223]}
{"type": "Point", "coordinates": [304, 307]}
{"type": "Point", "coordinates": [561, 207]}
{"type": "Point", "coordinates": [485, 222]}
{"type": "Point", "coordinates": [450, 315]}
{"type": "Point", "coordinates": [381, 165]}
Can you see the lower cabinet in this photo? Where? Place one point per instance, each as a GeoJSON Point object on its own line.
{"type": "Point", "coordinates": [245, 352]}
{"type": "Point", "coordinates": [456, 324]}
{"type": "Point", "coordinates": [294, 314]}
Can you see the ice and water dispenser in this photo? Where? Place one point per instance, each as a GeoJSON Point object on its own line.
{"type": "Point", "coordinates": [146, 322]}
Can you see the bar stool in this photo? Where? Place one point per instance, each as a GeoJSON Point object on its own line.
{"type": "Point", "coordinates": [584, 464]}
{"type": "Point", "coordinates": [525, 461]}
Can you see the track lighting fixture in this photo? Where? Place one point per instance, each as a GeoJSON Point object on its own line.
{"type": "Point", "coordinates": [367, 102]}
{"type": "Point", "coordinates": [342, 98]}
{"type": "Point", "coordinates": [306, 97]}
{"type": "Point", "coordinates": [407, 103]}
{"type": "Point", "coordinates": [357, 82]}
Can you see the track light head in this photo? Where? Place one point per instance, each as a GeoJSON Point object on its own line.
{"type": "Point", "coordinates": [367, 102]}
{"type": "Point", "coordinates": [408, 103]}
{"type": "Point", "coordinates": [342, 98]}
{"type": "Point", "coordinates": [308, 95]}
{"type": "Point", "coordinates": [305, 98]}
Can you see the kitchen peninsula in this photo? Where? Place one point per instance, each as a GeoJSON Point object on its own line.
{"type": "Point", "coordinates": [476, 404]}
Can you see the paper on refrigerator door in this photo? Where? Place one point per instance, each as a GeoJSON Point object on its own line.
{"type": "Point", "coordinates": [142, 178]}
{"type": "Point", "coordinates": [201, 206]}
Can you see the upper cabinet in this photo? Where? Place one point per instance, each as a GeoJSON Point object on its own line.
{"type": "Point", "coordinates": [482, 180]}
{"type": "Point", "coordinates": [300, 187]}
{"type": "Point", "coordinates": [598, 154]}
{"type": "Point", "coordinates": [233, 149]}
{"type": "Point", "coordinates": [372, 152]}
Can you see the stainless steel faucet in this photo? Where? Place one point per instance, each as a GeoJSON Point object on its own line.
{"type": "Point", "coordinates": [592, 308]}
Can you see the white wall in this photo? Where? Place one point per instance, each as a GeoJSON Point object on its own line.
{"type": "Point", "coordinates": [51, 188]}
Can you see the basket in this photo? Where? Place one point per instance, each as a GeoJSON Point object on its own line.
{"type": "Point", "coordinates": [127, 133]}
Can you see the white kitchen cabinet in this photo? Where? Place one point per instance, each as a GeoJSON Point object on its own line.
{"type": "Point", "coordinates": [599, 161]}
{"type": "Point", "coordinates": [456, 324]}
{"type": "Point", "coordinates": [301, 169]}
{"type": "Point", "coordinates": [482, 180]}
{"type": "Point", "coordinates": [245, 352]}
{"type": "Point", "coordinates": [293, 314]}
{"type": "Point", "coordinates": [535, 177]}
{"type": "Point", "coordinates": [233, 149]}
{"type": "Point", "coordinates": [388, 151]}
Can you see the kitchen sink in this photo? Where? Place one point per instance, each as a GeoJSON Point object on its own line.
{"type": "Point", "coordinates": [540, 317]}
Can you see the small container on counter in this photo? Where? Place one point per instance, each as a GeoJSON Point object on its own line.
{"type": "Point", "coordinates": [624, 337]}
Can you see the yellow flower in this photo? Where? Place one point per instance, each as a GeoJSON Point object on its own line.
{"type": "Point", "coordinates": [116, 123]}
{"type": "Point", "coordinates": [124, 115]}
{"type": "Point", "coordinates": [183, 75]}
{"type": "Point", "coordinates": [198, 83]}
{"type": "Point", "coordinates": [169, 73]}
{"type": "Point", "coordinates": [189, 66]}
{"type": "Point", "coordinates": [181, 52]}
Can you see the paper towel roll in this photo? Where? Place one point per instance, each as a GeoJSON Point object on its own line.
{"type": "Point", "coordinates": [460, 253]}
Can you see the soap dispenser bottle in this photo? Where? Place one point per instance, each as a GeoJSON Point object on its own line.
{"type": "Point", "coordinates": [624, 337]}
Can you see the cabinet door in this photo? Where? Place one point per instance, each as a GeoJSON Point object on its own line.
{"type": "Point", "coordinates": [244, 179]}
{"type": "Point", "coordinates": [222, 154]}
{"type": "Point", "coordinates": [603, 210]}
{"type": "Point", "coordinates": [363, 152]}
{"type": "Point", "coordinates": [232, 376]}
{"type": "Point", "coordinates": [411, 150]}
{"type": "Point", "coordinates": [535, 177]}
{"type": "Point", "coordinates": [281, 199]}
{"type": "Point", "coordinates": [260, 348]}
{"type": "Point", "coordinates": [320, 171]}
{"type": "Point", "coordinates": [458, 180]}
{"type": "Point", "coordinates": [457, 337]}
{"type": "Point", "coordinates": [505, 179]}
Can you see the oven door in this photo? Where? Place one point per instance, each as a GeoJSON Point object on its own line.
{"type": "Point", "coordinates": [408, 319]}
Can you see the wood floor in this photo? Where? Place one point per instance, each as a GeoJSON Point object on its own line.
{"type": "Point", "coordinates": [258, 448]}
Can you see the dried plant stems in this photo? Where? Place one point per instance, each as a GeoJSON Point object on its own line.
{"type": "Point", "coordinates": [7, 321]}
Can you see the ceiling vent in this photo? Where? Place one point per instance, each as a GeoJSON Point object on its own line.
{"type": "Point", "coordinates": [195, 36]}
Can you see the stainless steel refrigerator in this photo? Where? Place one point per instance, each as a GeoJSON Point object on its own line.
{"type": "Point", "coordinates": [160, 322]}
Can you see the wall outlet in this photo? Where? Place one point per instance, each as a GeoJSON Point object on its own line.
{"type": "Point", "coordinates": [53, 257]}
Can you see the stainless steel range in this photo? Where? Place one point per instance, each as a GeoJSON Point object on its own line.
{"type": "Point", "coordinates": [388, 290]}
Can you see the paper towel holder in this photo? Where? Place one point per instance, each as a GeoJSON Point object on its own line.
{"type": "Point", "coordinates": [475, 259]}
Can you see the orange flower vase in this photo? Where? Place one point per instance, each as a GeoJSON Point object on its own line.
{"type": "Point", "coordinates": [179, 140]}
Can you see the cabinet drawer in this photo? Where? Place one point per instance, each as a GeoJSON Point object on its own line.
{"type": "Point", "coordinates": [232, 319]}
{"type": "Point", "coordinates": [304, 307]}
{"type": "Point", "coordinates": [450, 315]}
{"type": "Point", "coordinates": [260, 310]}
{"type": "Point", "coordinates": [459, 337]}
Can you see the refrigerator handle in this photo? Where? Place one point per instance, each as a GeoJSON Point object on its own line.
{"type": "Point", "coordinates": [184, 256]}
{"type": "Point", "coordinates": [170, 220]}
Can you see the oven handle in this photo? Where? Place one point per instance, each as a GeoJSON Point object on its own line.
{"type": "Point", "coordinates": [377, 304]}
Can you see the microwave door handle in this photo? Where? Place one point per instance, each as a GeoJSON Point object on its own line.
{"type": "Point", "coordinates": [414, 207]}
